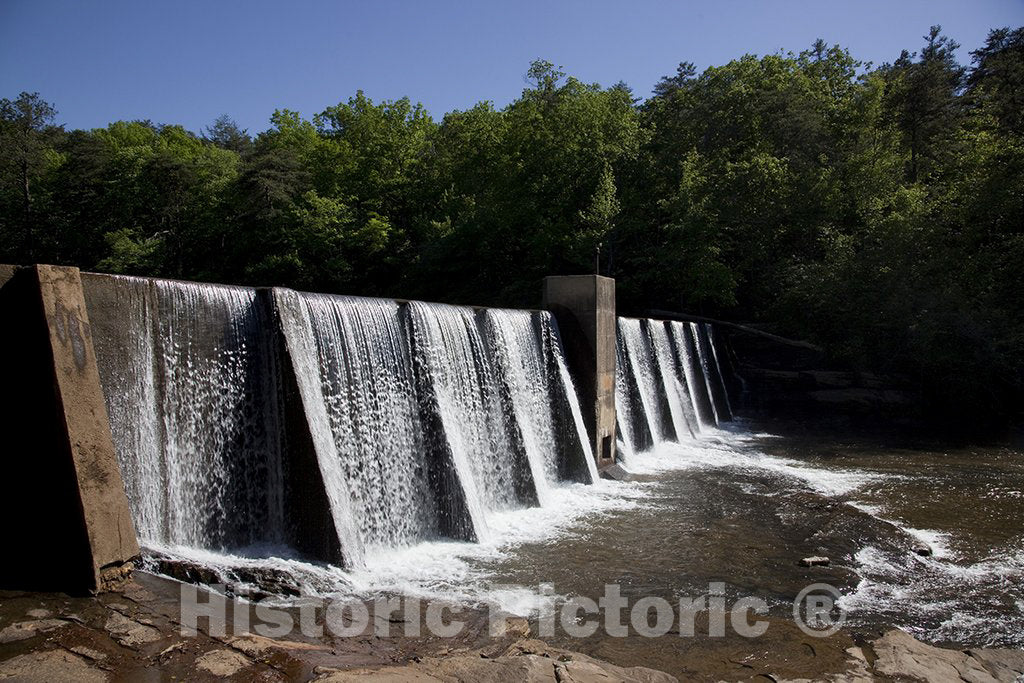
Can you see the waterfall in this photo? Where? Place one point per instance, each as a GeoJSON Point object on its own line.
{"type": "Point", "coordinates": [641, 385]}
{"type": "Point", "coordinates": [486, 444]}
{"type": "Point", "coordinates": [676, 390]}
{"type": "Point", "coordinates": [686, 355]}
{"type": "Point", "coordinates": [192, 396]}
{"type": "Point", "coordinates": [718, 381]}
{"type": "Point", "coordinates": [576, 461]}
{"type": "Point", "coordinates": [668, 383]}
{"type": "Point", "coordinates": [700, 345]}
{"type": "Point", "coordinates": [517, 345]}
{"type": "Point", "coordinates": [414, 421]}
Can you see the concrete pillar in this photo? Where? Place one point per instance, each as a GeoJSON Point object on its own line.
{"type": "Point", "coordinates": [67, 522]}
{"type": "Point", "coordinates": [584, 307]}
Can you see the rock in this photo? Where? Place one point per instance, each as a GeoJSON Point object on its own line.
{"type": "Point", "coordinates": [222, 663]}
{"type": "Point", "coordinates": [616, 472]}
{"type": "Point", "coordinates": [1005, 665]}
{"type": "Point", "coordinates": [51, 665]}
{"type": "Point", "coordinates": [398, 674]}
{"type": "Point", "coordinates": [528, 660]}
{"type": "Point", "coordinates": [88, 652]}
{"type": "Point", "coordinates": [38, 613]}
{"type": "Point", "coordinates": [23, 630]}
{"type": "Point", "coordinates": [900, 656]}
{"type": "Point", "coordinates": [517, 626]}
{"type": "Point", "coordinates": [254, 583]}
{"type": "Point", "coordinates": [858, 671]}
{"type": "Point", "coordinates": [815, 561]}
{"type": "Point", "coordinates": [171, 649]}
{"type": "Point", "coordinates": [128, 632]}
{"type": "Point", "coordinates": [254, 645]}
{"type": "Point", "coordinates": [922, 550]}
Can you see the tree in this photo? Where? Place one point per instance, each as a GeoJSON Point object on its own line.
{"type": "Point", "coordinates": [226, 134]}
{"type": "Point", "coordinates": [26, 138]}
{"type": "Point", "coordinates": [996, 81]}
{"type": "Point", "coordinates": [923, 97]}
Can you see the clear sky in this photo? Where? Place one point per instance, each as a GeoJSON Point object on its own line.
{"type": "Point", "coordinates": [188, 62]}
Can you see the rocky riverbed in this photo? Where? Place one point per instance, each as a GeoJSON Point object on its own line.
{"type": "Point", "coordinates": [135, 633]}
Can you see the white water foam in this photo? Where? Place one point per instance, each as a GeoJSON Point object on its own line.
{"type": "Point", "coordinates": [438, 570]}
{"type": "Point", "coordinates": [716, 449]}
{"type": "Point", "coordinates": [940, 599]}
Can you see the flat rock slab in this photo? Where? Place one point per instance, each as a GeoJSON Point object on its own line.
{"type": "Point", "coordinates": [46, 666]}
{"type": "Point", "coordinates": [222, 663]}
{"type": "Point", "coordinates": [529, 660]}
{"type": "Point", "coordinates": [901, 656]}
{"type": "Point", "coordinates": [24, 630]}
{"type": "Point", "coordinates": [130, 633]}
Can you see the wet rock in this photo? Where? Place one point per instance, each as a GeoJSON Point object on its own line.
{"type": "Point", "coordinates": [517, 626]}
{"type": "Point", "coordinates": [23, 630]}
{"type": "Point", "coordinates": [553, 666]}
{"type": "Point", "coordinates": [51, 665]}
{"type": "Point", "coordinates": [922, 550]}
{"type": "Point", "coordinates": [254, 583]}
{"type": "Point", "coordinates": [88, 652]}
{"type": "Point", "coordinates": [222, 663]}
{"type": "Point", "coordinates": [171, 649]}
{"type": "Point", "coordinates": [616, 473]}
{"type": "Point", "coordinates": [254, 645]}
{"type": "Point", "coordinates": [815, 561]}
{"type": "Point", "coordinates": [38, 613]}
{"type": "Point", "coordinates": [128, 632]}
{"type": "Point", "coordinates": [900, 656]}
{"type": "Point", "coordinates": [859, 668]}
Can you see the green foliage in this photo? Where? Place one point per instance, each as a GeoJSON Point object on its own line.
{"type": "Point", "coordinates": [877, 211]}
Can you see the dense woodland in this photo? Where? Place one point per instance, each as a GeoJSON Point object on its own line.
{"type": "Point", "coordinates": [876, 210]}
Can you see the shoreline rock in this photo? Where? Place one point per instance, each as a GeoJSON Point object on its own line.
{"type": "Point", "coordinates": [123, 635]}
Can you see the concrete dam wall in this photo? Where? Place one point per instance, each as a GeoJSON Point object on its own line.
{"type": "Point", "coordinates": [244, 420]}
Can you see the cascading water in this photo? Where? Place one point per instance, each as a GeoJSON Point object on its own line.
{"type": "Point", "coordinates": [669, 386]}
{"type": "Point", "coordinates": [367, 385]}
{"type": "Point", "coordinates": [519, 358]}
{"type": "Point", "coordinates": [640, 392]}
{"type": "Point", "coordinates": [420, 420]}
{"type": "Point", "coordinates": [686, 359]}
{"type": "Point", "coordinates": [676, 390]}
{"type": "Point", "coordinates": [705, 366]}
{"type": "Point", "coordinates": [194, 410]}
{"type": "Point", "coordinates": [718, 381]}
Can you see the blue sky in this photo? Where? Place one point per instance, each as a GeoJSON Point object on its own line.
{"type": "Point", "coordinates": [188, 62]}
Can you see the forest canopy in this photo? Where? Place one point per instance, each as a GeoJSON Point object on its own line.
{"type": "Point", "coordinates": [875, 210]}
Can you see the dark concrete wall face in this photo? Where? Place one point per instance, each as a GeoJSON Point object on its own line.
{"type": "Point", "coordinates": [584, 307]}
{"type": "Point", "coordinates": [66, 515]}
{"type": "Point", "coordinates": [6, 273]}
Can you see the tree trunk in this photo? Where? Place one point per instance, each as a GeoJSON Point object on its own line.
{"type": "Point", "coordinates": [27, 197]}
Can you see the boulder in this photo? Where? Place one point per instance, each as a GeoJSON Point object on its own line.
{"type": "Point", "coordinates": [900, 656]}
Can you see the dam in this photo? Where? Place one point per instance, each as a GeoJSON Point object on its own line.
{"type": "Point", "coordinates": [251, 420]}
